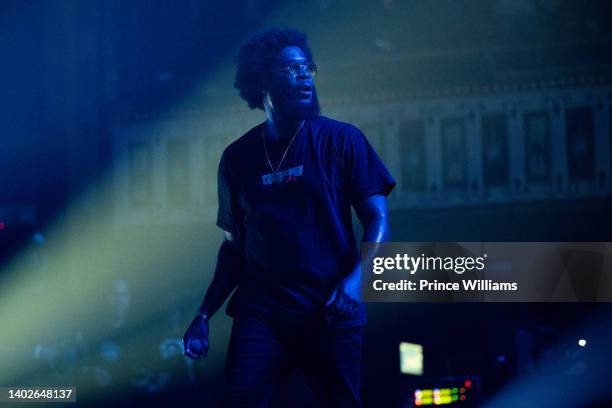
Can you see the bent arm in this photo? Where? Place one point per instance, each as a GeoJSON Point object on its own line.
{"type": "Point", "coordinates": [373, 214]}
{"type": "Point", "coordinates": [225, 279]}
{"type": "Point", "coordinates": [374, 217]}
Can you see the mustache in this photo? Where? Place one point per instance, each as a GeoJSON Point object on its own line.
{"type": "Point", "coordinates": [294, 92]}
{"type": "Point", "coordinates": [288, 97]}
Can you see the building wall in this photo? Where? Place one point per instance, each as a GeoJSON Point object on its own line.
{"type": "Point", "coordinates": [478, 151]}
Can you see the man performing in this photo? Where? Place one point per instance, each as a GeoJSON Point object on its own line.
{"type": "Point", "coordinates": [286, 188]}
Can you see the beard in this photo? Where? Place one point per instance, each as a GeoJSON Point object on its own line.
{"type": "Point", "coordinates": [288, 104]}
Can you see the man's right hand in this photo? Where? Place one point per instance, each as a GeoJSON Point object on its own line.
{"type": "Point", "coordinates": [195, 340]}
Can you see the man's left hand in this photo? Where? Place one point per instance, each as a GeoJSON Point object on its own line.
{"type": "Point", "coordinates": [345, 299]}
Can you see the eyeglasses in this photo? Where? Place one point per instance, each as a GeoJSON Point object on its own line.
{"type": "Point", "coordinates": [296, 68]}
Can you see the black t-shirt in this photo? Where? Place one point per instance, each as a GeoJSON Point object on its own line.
{"type": "Point", "coordinates": [295, 224]}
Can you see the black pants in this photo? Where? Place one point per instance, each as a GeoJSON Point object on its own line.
{"type": "Point", "coordinates": [261, 356]}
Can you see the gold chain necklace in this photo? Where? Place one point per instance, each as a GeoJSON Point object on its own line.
{"type": "Point", "coordinates": [263, 136]}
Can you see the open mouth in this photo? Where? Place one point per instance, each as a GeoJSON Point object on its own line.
{"type": "Point", "coordinates": [304, 91]}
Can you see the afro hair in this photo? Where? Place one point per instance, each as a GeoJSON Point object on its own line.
{"type": "Point", "coordinates": [253, 60]}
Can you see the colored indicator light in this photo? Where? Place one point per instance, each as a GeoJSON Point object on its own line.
{"type": "Point", "coordinates": [418, 403]}
{"type": "Point", "coordinates": [443, 400]}
{"type": "Point", "coordinates": [462, 390]}
{"type": "Point", "coordinates": [467, 383]}
{"type": "Point", "coordinates": [418, 394]}
{"type": "Point", "coordinates": [455, 397]}
{"type": "Point", "coordinates": [455, 390]}
{"type": "Point", "coordinates": [582, 342]}
{"type": "Point", "coordinates": [462, 398]}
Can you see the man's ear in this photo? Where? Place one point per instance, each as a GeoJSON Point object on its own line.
{"type": "Point", "coordinates": [265, 92]}
{"type": "Point", "coordinates": [265, 99]}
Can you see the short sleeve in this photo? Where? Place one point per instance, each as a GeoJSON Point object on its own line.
{"type": "Point", "coordinates": [365, 171]}
{"type": "Point", "coordinates": [228, 210]}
